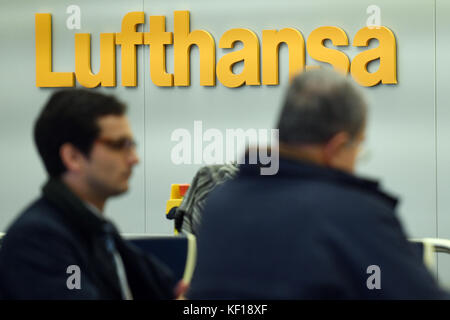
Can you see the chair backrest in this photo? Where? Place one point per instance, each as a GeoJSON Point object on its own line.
{"type": "Point", "coordinates": [2, 234]}
{"type": "Point", "coordinates": [431, 246]}
{"type": "Point", "coordinates": [177, 252]}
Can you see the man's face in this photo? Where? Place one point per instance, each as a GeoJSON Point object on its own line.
{"type": "Point", "coordinates": [109, 165]}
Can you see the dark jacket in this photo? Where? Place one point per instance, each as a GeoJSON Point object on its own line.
{"type": "Point", "coordinates": [58, 231]}
{"type": "Point", "coordinates": [308, 232]}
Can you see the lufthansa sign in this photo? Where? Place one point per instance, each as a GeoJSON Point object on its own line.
{"type": "Point", "coordinates": [182, 40]}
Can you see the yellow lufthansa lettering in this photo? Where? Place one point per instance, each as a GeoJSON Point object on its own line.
{"type": "Point", "coordinates": [158, 38]}
{"type": "Point", "coordinates": [128, 39]}
{"type": "Point", "coordinates": [271, 41]}
{"type": "Point", "coordinates": [317, 50]}
{"type": "Point", "coordinates": [106, 77]}
{"type": "Point", "coordinates": [183, 39]}
{"type": "Point", "coordinates": [386, 52]}
{"type": "Point", "coordinates": [45, 77]}
{"type": "Point", "coordinates": [249, 55]}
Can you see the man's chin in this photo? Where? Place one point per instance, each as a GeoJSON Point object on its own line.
{"type": "Point", "coordinates": [119, 191]}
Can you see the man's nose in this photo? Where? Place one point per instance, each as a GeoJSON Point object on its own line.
{"type": "Point", "coordinates": [133, 157]}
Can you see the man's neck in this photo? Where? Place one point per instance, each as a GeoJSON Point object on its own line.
{"type": "Point", "coordinates": [83, 192]}
{"type": "Point", "coordinates": [311, 154]}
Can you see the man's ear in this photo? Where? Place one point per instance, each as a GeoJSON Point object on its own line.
{"type": "Point", "coordinates": [334, 146]}
{"type": "Point", "coordinates": [71, 157]}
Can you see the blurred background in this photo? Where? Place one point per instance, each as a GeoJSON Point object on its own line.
{"type": "Point", "coordinates": [408, 131]}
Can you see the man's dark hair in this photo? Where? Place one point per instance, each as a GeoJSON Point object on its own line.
{"type": "Point", "coordinates": [319, 104]}
{"type": "Point", "coordinates": [70, 116]}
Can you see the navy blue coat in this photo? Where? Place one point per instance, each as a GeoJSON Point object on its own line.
{"type": "Point", "coordinates": [57, 231]}
{"type": "Point", "coordinates": [308, 232]}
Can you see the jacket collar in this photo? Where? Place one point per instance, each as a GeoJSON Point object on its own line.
{"type": "Point", "coordinates": [296, 169]}
{"type": "Point", "coordinates": [74, 210]}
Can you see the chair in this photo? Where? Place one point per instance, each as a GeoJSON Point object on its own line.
{"type": "Point", "coordinates": [429, 248]}
{"type": "Point", "coordinates": [177, 252]}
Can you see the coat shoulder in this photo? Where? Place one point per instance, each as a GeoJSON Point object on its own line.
{"type": "Point", "coordinates": [39, 218]}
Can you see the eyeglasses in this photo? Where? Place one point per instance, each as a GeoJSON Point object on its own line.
{"type": "Point", "coordinates": [119, 144]}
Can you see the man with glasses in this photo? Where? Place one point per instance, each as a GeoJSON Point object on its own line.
{"type": "Point", "coordinates": [62, 246]}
